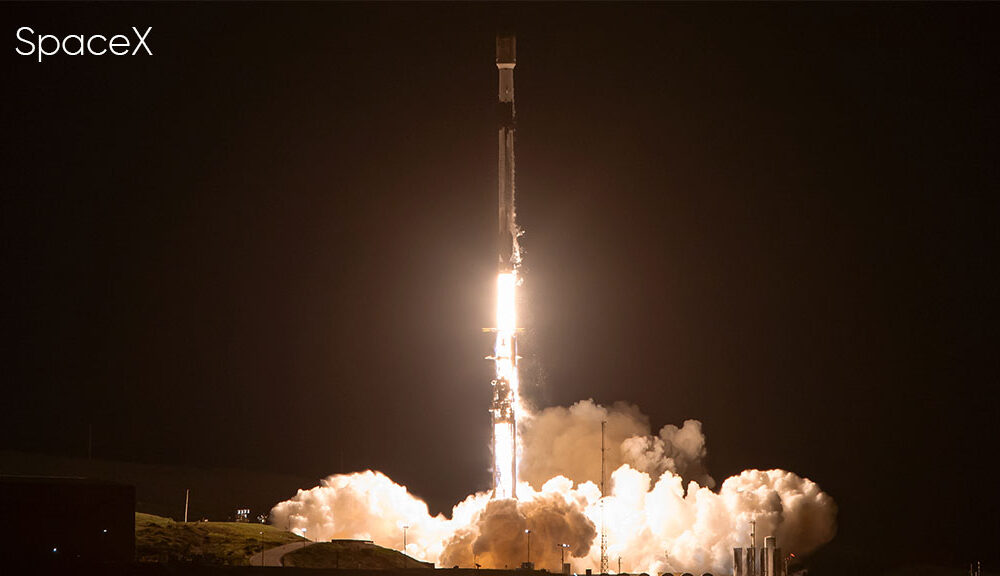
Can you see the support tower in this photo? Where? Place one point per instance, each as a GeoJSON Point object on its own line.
{"type": "Point", "coordinates": [604, 530]}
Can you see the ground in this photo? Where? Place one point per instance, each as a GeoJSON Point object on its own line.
{"type": "Point", "coordinates": [159, 539]}
{"type": "Point", "coordinates": [350, 554]}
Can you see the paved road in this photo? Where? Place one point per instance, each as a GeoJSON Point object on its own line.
{"type": "Point", "coordinates": [272, 556]}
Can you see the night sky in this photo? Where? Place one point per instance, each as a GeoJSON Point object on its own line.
{"type": "Point", "coordinates": [270, 245]}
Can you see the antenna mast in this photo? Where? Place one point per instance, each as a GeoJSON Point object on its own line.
{"type": "Point", "coordinates": [604, 531]}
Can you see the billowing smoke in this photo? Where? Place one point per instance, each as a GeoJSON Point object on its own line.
{"type": "Point", "coordinates": [497, 538]}
{"type": "Point", "coordinates": [661, 513]}
{"type": "Point", "coordinates": [556, 439]}
{"type": "Point", "coordinates": [664, 527]}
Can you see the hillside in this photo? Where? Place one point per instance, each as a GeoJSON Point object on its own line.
{"type": "Point", "coordinates": [350, 554]}
{"type": "Point", "coordinates": [159, 539]}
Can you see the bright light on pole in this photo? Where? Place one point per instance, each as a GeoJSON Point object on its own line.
{"type": "Point", "coordinates": [405, 526]}
{"type": "Point", "coordinates": [528, 532]}
{"type": "Point", "coordinates": [562, 554]}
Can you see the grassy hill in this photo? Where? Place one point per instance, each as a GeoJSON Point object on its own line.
{"type": "Point", "coordinates": [350, 554]}
{"type": "Point", "coordinates": [159, 539]}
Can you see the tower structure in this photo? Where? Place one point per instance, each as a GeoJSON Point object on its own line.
{"type": "Point", "coordinates": [751, 555]}
{"type": "Point", "coordinates": [765, 561]}
{"type": "Point", "coordinates": [771, 561]}
{"type": "Point", "coordinates": [604, 530]}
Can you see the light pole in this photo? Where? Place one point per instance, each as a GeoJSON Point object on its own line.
{"type": "Point", "coordinates": [304, 538]}
{"type": "Point", "coordinates": [261, 547]}
{"type": "Point", "coordinates": [405, 526]}
{"type": "Point", "coordinates": [562, 555]}
{"type": "Point", "coordinates": [528, 532]}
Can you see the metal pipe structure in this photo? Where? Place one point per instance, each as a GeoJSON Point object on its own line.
{"type": "Point", "coordinates": [604, 531]}
{"type": "Point", "coordinates": [765, 561]}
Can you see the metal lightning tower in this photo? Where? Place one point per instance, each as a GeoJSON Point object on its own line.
{"type": "Point", "coordinates": [505, 384]}
{"type": "Point", "coordinates": [604, 531]}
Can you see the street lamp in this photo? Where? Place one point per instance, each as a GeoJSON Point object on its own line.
{"type": "Point", "coordinates": [304, 537]}
{"type": "Point", "coordinates": [562, 555]}
{"type": "Point", "coordinates": [528, 532]}
{"type": "Point", "coordinates": [261, 547]}
{"type": "Point", "coordinates": [405, 526]}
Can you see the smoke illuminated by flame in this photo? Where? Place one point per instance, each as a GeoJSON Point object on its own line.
{"type": "Point", "coordinates": [660, 510]}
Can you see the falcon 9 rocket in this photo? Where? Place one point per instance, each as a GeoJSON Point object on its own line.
{"type": "Point", "coordinates": [505, 384]}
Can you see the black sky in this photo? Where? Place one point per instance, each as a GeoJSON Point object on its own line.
{"type": "Point", "coordinates": [269, 245]}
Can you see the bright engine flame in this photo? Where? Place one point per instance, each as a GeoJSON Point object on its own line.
{"type": "Point", "coordinates": [506, 402]}
{"type": "Point", "coordinates": [505, 351]}
{"type": "Point", "coordinates": [503, 458]}
{"type": "Point", "coordinates": [506, 316]}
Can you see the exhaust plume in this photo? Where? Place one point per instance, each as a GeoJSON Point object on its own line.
{"type": "Point", "coordinates": [661, 512]}
{"type": "Point", "coordinates": [555, 437]}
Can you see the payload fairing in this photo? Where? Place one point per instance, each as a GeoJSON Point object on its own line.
{"type": "Point", "coordinates": [509, 254]}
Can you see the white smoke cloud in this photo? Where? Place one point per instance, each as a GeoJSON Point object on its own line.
{"type": "Point", "coordinates": [664, 527]}
{"type": "Point", "coordinates": [566, 441]}
{"type": "Point", "coordinates": [661, 514]}
{"type": "Point", "coordinates": [497, 538]}
{"type": "Point", "coordinates": [369, 506]}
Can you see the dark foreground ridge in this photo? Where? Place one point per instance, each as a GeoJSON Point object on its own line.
{"type": "Point", "coordinates": [204, 570]}
{"type": "Point", "coordinates": [361, 555]}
